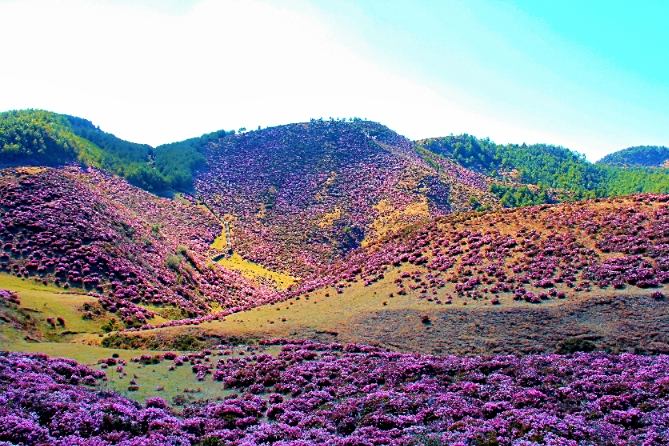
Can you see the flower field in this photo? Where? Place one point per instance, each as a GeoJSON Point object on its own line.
{"type": "Point", "coordinates": [349, 395]}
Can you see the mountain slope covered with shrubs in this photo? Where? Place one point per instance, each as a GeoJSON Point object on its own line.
{"type": "Point", "coordinates": [531, 254]}
{"type": "Point", "coordinates": [90, 230]}
{"type": "Point", "coordinates": [260, 306]}
{"type": "Point", "coordinates": [301, 195]}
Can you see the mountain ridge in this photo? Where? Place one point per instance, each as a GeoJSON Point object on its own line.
{"type": "Point", "coordinates": [173, 167]}
{"type": "Point", "coordinates": [638, 156]}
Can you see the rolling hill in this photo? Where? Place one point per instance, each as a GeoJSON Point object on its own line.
{"type": "Point", "coordinates": [86, 229]}
{"type": "Point", "coordinates": [301, 195]}
{"type": "Point", "coordinates": [326, 282]}
{"type": "Point", "coordinates": [639, 156]}
{"type": "Point", "coordinates": [590, 274]}
{"type": "Point", "coordinates": [539, 291]}
{"type": "Point", "coordinates": [42, 138]}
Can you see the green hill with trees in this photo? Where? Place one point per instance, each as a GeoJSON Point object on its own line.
{"type": "Point", "coordinates": [38, 137]}
{"type": "Point", "coordinates": [546, 167]}
{"type": "Point", "coordinates": [638, 156]}
{"type": "Point", "coordinates": [527, 174]}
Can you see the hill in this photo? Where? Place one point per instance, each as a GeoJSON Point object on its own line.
{"type": "Point", "coordinates": [140, 253]}
{"type": "Point", "coordinates": [42, 138]}
{"type": "Point", "coordinates": [567, 173]}
{"type": "Point", "coordinates": [639, 156]}
{"type": "Point", "coordinates": [301, 195]}
{"type": "Point", "coordinates": [315, 285]}
{"type": "Point", "coordinates": [591, 274]}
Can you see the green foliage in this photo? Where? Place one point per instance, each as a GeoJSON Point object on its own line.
{"type": "Point", "coordinates": [173, 261]}
{"type": "Point", "coordinates": [626, 181]}
{"type": "Point", "coordinates": [550, 167]}
{"type": "Point", "coordinates": [574, 345]}
{"type": "Point", "coordinates": [211, 441]}
{"type": "Point", "coordinates": [512, 196]}
{"type": "Point", "coordinates": [38, 137]}
{"type": "Point", "coordinates": [111, 325]}
{"type": "Point", "coordinates": [177, 162]}
{"type": "Point", "coordinates": [639, 156]}
{"type": "Point", "coordinates": [115, 148]}
{"type": "Point", "coordinates": [467, 150]}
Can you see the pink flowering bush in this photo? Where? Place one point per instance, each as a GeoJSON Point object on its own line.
{"type": "Point", "coordinates": [90, 230]}
{"type": "Point", "coordinates": [8, 296]}
{"type": "Point", "coordinates": [531, 254]}
{"type": "Point", "coordinates": [280, 182]}
{"type": "Point", "coordinates": [336, 394]}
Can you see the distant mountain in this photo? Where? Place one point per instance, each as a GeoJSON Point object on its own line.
{"type": "Point", "coordinates": [639, 156]}
{"type": "Point", "coordinates": [512, 175]}
{"type": "Point", "coordinates": [179, 161]}
{"type": "Point", "coordinates": [37, 137]}
{"type": "Point", "coordinates": [301, 195]}
{"type": "Point", "coordinates": [545, 166]}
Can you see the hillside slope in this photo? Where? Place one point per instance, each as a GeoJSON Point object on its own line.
{"type": "Point", "coordinates": [90, 230]}
{"type": "Point", "coordinates": [530, 254]}
{"type": "Point", "coordinates": [545, 166]}
{"type": "Point", "coordinates": [301, 195]}
{"type": "Point", "coordinates": [639, 156]}
{"type": "Point", "coordinates": [574, 276]}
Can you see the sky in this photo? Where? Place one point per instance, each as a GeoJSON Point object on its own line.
{"type": "Point", "coordinates": [592, 76]}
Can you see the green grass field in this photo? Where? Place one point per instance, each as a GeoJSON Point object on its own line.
{"type": "Point", "coordinates": [75, 338]}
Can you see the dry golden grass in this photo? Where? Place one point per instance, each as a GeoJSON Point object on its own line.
{"type": "Point", "coordinates": [329, 218]}
{"type": "Point", "coordinates": [30, 170]}
{"type": "Point", "coordinates": [257, 272]}
{"type": "Point", "coordinates": [220, 242]}
{"type": "Point", "coordinates": [390, 219]}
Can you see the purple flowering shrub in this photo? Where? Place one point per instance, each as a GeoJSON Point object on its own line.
{"type": "Point", "coordinates": [532, 254]}
{"type": "Point", "coordinates": [348, 395]}
{"type": "Point", "coordinates": [281, 183]}
{"type": "Point", "coordinates": [52, 402]}
{"type": "Point", "coordinates": [8, 296]}
{"type": "Point", "coordinates": [95, 231]}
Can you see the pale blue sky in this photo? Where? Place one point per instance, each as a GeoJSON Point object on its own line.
{"type": "Point", "coordinates": [589, 75]}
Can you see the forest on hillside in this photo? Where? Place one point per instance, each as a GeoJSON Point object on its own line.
{"type": "Point", "coordinates": [40, 137]}
{"type": "Point", "coordinates": [547, 167]}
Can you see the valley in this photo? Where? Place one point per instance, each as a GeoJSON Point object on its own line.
{"type": "Point", "coordinates": [326, 282]}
